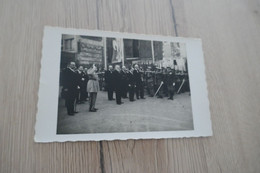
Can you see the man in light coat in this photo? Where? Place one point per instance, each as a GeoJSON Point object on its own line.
{"type": "Point", "coordinates": [92, 88]}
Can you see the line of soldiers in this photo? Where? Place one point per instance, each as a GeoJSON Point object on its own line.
{"type": "Point", "coordinates": [159, 82]}
{"type": "Point", "coordinates": [166, 82]}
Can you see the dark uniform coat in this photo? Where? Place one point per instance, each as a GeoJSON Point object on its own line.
{"type": "Point", "coordinates": [118, 85]}
{"type": "Point", "coordinates": [70, 86]}
{"type": "Point", "coordinates": [139, 84]}
{"type": "Point", "coordinates": [131, 86]}
{"type": "Point", "coordinates": [124, 83]}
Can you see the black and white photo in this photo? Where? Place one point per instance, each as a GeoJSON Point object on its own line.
{"type": "Point", "coordinates": [106, 85]}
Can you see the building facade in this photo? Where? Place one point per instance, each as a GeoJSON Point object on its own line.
{"type": "Point", "coordinates": [84, 50]}
{"type": "Point", "coordinates": [88, 50]}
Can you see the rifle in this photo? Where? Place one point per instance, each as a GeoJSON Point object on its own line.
{"type": "Point", "coordinates": [158, 88]}
{"type": "Point", "coordinates": [183, 80]}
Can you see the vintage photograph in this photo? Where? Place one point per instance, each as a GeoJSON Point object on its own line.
{"type": "Point", "coordinates": [122, 85]}
{"type": "Point", "coordinates": [100, 85]}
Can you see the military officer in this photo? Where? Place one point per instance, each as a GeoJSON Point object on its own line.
{"type": "Point", "coordinates": [170, 83]}
{"type": "Point", "coordinates": [131, 85]}
{"type": "Point", "coordinates": [118, 86]}
{"type": "Point", "coordinates": [139, 82]}
{"type": "Point", "coordinates": [150, 80]}
{"type": "Point", "coordinates": [124, 74]}
{"type": "Point", "coordinates": [109, 80]}
{"type": "Point", "coordinates": [70, 86]}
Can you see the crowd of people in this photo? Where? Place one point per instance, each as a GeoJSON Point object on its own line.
{"type": "Point", "coordinates": [82, 84]}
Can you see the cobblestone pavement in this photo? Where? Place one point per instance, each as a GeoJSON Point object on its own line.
{"type": "Point", "coordinates": [150, 114]}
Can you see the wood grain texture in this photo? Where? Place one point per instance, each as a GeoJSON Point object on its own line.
{"type": "Point", "coordinates": [230, 31]}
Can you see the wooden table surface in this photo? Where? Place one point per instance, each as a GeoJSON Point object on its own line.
{"type": "Point", "coordinates": [230, 31]}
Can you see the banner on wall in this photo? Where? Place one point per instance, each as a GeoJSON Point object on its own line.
{"type": "Point", "coordinates": [90, 52]}
{"type": "Point", "coordinates": [117, 55]}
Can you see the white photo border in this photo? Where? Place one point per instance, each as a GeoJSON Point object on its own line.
{"type": "Point", "coordinates": [47, 115]}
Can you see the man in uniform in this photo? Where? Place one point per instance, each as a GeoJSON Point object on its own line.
{"type": "Point", "coordinates": [139, 82]}
{"type": "Point", "coordinates": [165, 81]}
{"type": "Point", "coordinates": [170, 83]}
{"type": "Point", "coordinates": [84, 85]}
{"type": "Point", "coordinates": [109, 80]}
{"type": "Point", "coordinates": [150, 82]}
{"type": "Point", "coordinates": [124, 73]}
{"type": "Point", "coordinates": [118, 86]}
{"type": "Point", "coordinates": [81, 79]}
{"type": "Point", "coordinates": [131, 81]}
{"type": "Point", "coordinates": [70, 82]}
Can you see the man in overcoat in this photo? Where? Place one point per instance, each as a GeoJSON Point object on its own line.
{"type": "Point", "coordinates": [139, 82]}
{"type": "Point", "coordinates": [70, 86]}
{"type": "Point", "coordinates": [131, 85]}
{"type": "Point", "coordinates": [118, 85]}
{"type": "Point", "coordinates": [109, 80]}
{"type": "Point", "coordinates": [124, 73]}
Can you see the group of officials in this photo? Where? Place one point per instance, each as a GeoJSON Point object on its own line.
{"type": "Point", "coordinates": [135, 80]}
{"type": "Point", "coordinates": [78, 85]}
{"type": "Point", "coordinates": [123, 81]}
{"type": "Point", "coordinates": [81, 84]}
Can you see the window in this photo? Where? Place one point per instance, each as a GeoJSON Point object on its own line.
{"type": "Point", "coordinates": [68, 44]}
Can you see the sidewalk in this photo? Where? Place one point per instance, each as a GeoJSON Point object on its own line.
{"type": "Point", "coordinates": [150, 114]}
